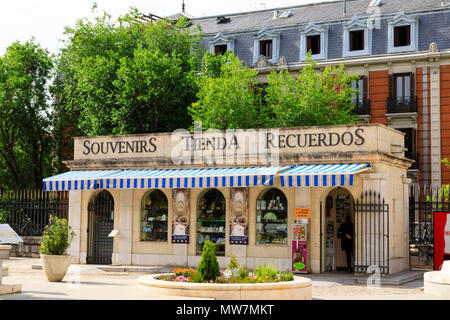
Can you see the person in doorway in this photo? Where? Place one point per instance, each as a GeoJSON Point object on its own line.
{"type": "Point", "coordinates": [345, 233]}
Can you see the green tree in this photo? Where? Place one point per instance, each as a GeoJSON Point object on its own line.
{"type": "Point", "coordinates": [25, 117]}
{"type": "Point", "coordinates": [124, 77]}
{"type": "Point", "coordinates": [230, 96]}
{"type": "Point", "coordinates": [208, 268]}
{"type": "Point", "coordinates": [312, 98]}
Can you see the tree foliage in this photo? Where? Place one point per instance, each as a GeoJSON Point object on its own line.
{"type": "Point", "coordinates": [25, 118]}
{"type": "Point", "coordinates": [208, 268]}
{"type": "Point", "coordinates": [57, 236]}
{"type": "Point", "coordinates": [231, 96]}
{"type": "Point", "coordinates": [123, 77]}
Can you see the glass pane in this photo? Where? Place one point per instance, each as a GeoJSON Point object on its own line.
{"type": "Point", "coordinates": [361, 89]}
{"type": "Point", "coordinates": [154, 216]}
{"type": "Point", "coordinates": [211, 216]}
{"type": "Point", "coordinates": [407, 92]}
{"type": "Point", "coordinates": [271, 217]}
{"type": "Point", "coordinates": [399, 87]}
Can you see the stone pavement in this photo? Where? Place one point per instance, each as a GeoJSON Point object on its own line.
{"type": "Point", "coordinates": [90, 282]}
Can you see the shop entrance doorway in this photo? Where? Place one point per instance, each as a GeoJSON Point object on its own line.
{"type": "Point", "coordinates": [100, 225]}
{"type": "Point", "coordinates": [211, 208]}
{"type": "Point", "coordinates": [338, 236]}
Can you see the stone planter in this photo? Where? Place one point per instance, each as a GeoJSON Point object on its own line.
{"type": "Point", "coordinates": [437, 283]}
{"type": "Point", "coordinates": [56, 266]}
{"type": "Point", "coordinates": [298, 289]}
{"type": "Point", "coordinates": [4, 251]}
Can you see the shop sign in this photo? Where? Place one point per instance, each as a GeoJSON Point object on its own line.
{"type": "Point", "coordinates": [302, 212]}
{"type": "Point", "coordinates": [441, 227]}
{"type": "Point", "coordinates": [239, 216]}
{"type": "Point", "coordinates": [180, 221]}
{"type": "Point", "coordinates": [299, 254]}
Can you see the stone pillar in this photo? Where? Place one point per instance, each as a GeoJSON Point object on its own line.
{"type": "Point", "coordinates": [240, 252]}
{"type": "Point", "coordinates": [180, 253]}
{"type": "Point", "coordinates": [375, 182]}
{"type": "Point", "coordinates": [435, 124]}
{"type": "Point", "coordinates": [406, 184]}
{"type": "Point", "coordinates": [124, 237]}
{"type": "Point", "coordinates": [75, 223]}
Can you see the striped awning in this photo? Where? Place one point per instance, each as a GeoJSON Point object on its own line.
{"type": "Point", "coordinates": [322, 175]}
{"type": "Point", "coordinates": [163, 178]}
{"type": "Point", "coordinates": [302, 175]}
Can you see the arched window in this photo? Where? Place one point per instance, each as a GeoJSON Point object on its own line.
{"type": "Point", "coordinates": [271, 217]}
{"type": "Point", "coordinates": [154, 216]}
{"type": "Point", "coordinates": [211, 220]}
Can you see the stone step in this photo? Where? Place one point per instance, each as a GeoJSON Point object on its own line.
{"type": "Point", "coordinates": [110, 268]}
{"type": "Point", "coordinates": [395, 279]}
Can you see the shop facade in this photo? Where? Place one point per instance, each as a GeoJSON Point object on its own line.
{"type": "Point", "coordinates": [266, 196]}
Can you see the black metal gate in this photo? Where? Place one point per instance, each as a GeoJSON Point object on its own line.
{"type": "Point", "coordinates": [422, 203]}
{"type": "Point", "coordinates": [100, 225]}
{"type": "Point", "coordinates": [371, 234]}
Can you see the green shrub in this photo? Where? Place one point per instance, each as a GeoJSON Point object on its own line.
{"type": "Point", "coordinates": [56, 237]}
{"type": "Point", "coordinates": [243, 272]}
{"type": "Point", "coordinates": [233, 263]}
{"type": "Point", "coordinates": [286, 276]}
{"type": "Point", "coordinates": [208, 268]}
{"type": "Point", "coordinates": [266, 272]}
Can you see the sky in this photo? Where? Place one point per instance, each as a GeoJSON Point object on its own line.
{"type": "Point", "coordinates": [45, 19]}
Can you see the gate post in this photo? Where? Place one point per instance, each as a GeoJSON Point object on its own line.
{"type": "Point", "coordinates": [122, 255]}
{"type": "Point", "coordinates": [75, 223]}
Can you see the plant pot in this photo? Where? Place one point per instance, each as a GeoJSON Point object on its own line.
{"type": "Point", "coordinates": [56, 266]}
{"type": "Point", "coordinates": [4, 251]}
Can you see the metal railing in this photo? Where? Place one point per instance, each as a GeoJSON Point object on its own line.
{"type": "Point", "coordinates": [29, 211]}
{"type": "Point", "coordinates": [362, 107]}
{"type": "Point", "coordinates": [401, 104]}
{"type": "Point", "coordinates": [414, 156]}
{"type": "Point", "coordinates": [371, 230]}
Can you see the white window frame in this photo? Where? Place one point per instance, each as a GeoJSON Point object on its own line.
{"type": "Point", "coordinates": [313, 30]}
{"type": "Point", "coordinates": [221, 39]}
{"type": "Point", "coordinates": [266, 34]}
{"type": "Point", "coordinates": [402, 20]}
{"type": "Point", "coordinates": [357, 25]}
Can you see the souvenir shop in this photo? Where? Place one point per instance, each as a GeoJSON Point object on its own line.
{"type": "Point", "coordinates": [276, 196]}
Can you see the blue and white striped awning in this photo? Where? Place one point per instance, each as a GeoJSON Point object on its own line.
{"type": "Point", "coordinates": [322, 175]}
{"type": "Point", "coordinates": [163, 178]}
{"type": "Point", "coordinates": [302, 175]}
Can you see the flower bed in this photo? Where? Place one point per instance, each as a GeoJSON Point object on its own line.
{"type": "Point", "coordinates": [236, 282]}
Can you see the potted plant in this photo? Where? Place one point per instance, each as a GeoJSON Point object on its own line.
{"type": "Point", "coordinates": [55, 241]}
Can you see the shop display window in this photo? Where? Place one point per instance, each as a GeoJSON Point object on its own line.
{"type": "Point", "coordinates": [211, 221]}
{"type": "Point", "coordinates": [154, 216]}
{"type": "Point", "coordinates": [271, 217]}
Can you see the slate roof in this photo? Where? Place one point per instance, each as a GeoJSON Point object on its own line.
{"type": "Point", "coordinates": [316, 12]}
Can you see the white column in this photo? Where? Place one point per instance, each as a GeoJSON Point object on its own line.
{"type": "Point", "coordinates": [123, 254]}
{"type": "Point", "coordinates": [435, 125]}
{"type": "Point", "coordinates": [75, 223]}
{"type": "Point", "coordinates": [406, 184]}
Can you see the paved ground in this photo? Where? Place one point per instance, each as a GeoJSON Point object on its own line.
{"type": "Point", "coordinates": [89, 282]}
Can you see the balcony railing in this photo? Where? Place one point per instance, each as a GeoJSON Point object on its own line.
{"type": "Point", "coordinates": [362, 107]}
{"type": "Point", "coordinates": [414, 156]}
{"type": "Point", "coordinates": [401, 104]}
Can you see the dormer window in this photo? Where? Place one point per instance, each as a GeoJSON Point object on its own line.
{"type": "Point", "coordinates": [265, 48]}
{"type": "Point", "coordinates": [402, 36]}
{"type": "Point", "coordinates": [313, 38]}
{"type": "Point", "coordinates": [267, 44]}
{"type": "Point", "coordinates": [220, 49]}
{"type": "Point", "coordinates": [403, 33]}
{"type": "Point", "coordinates": [221, 44]}
{"type": "Point", "coordinates": [313, 44]}
{"type": "Point", "coordinates": [357, 38]}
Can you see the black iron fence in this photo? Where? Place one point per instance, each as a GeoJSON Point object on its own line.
{"type": "Point", "coordinates": [29, 211]}
{"type": "Point", "coordinates": [362, 107]}
{"type": "Point", "coordinates": [422, 203]}
{"type": "Point", "coordinates": [401, 104]}
{"type": "Point", "coordinates": [371, 230]}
